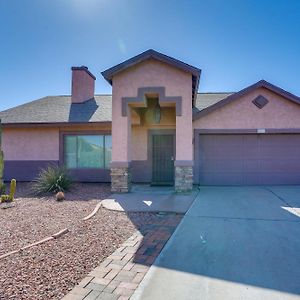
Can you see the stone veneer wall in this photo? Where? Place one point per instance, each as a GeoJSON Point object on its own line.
{"type": "Point", "coordinates": [120, 180]}
{"type": "Point", "coordinates": [183, 179]}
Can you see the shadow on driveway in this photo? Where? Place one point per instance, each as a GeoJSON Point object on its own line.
{"type": "Point", "coordinates": [233, 243]}
{"type": "Point", "coordinates": [145, 198]}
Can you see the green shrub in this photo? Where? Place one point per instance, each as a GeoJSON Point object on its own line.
{"type": "Point", "coordinates": [52, 179]}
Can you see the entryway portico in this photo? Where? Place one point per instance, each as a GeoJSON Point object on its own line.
{"type": "Point", "coordinates": [152, 132]}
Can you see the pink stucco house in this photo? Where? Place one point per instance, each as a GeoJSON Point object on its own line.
{"type": "Point", "coordinates": [156, 128]}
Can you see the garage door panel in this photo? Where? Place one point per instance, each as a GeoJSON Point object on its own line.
{"type": "Point", "coordinates": [279, 140]}
{"type": "Point", "coordinates": [216, 151]}
{"type": "Point", "coordinates": [249, 159]}
{"type": "Point", "coordinates": [279, 152]}
{"type": "Point", "coordinates": [250, 152]}
{"type": "Point", "coordinates": [221, 178]}
{"type": "Point", "coordinates": [218, 147]}
{"type": "Point", "coordinates": [251, 165]}
{"type": "Point", "coordinates": [219, 165]}
{"type": "Point", "coordinates": [280, 178]}
{"type": "Point", "coordinates": [277, 165]}
{"type": "Point", "coordinates": [225, 152]}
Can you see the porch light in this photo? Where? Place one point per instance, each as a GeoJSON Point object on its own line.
{"type": "Point", "coordinates": [156, 113]}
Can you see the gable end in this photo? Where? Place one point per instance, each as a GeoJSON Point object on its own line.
{"type": "Point", "coordinates": [260, 84]}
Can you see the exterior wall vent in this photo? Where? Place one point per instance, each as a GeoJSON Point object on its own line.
{"type": "Point", "coordinates": [260, 101]}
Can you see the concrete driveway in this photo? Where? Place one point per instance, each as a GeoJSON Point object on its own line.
{"type": "Point", "coordinates": [233, 243]}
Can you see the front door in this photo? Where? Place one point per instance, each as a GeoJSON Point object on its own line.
{"type": "Point", "coordinates": [163, 159]}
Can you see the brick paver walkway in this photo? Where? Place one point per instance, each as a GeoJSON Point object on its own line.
{"type": "Point", "coordinates": [119, 275]}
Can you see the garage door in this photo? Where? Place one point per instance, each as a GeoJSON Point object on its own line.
{"type": "Point", "coordinates": [249, 159]}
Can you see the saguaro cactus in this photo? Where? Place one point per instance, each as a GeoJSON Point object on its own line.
{"type": "Point", "coordinates": [13, 187]}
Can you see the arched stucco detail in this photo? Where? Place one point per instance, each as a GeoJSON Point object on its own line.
{"type": "Point", "coordinates": [162, 98]}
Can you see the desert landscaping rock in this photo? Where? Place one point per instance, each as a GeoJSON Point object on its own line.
{"type": "Point", "coordinates": [54, 236]}
{"type": "Point", "coordinates": [50, 270]}
{"type": "Point", "coordinates": [34, 218]}
{"type": "Point", "coordinates": [37, 243]}
{"type": "Point", "coordinates": [6, 205]}
{"type": "Point", "coordinates": [93, 212]}
{"type": "Point", "coordinates": [60, 233]}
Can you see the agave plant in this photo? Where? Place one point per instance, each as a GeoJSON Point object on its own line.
{"type": "Point", "coordinates": [52, 179]}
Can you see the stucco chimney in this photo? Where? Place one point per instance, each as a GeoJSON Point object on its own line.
{"type": "Point", "coordinates": [83, 84]}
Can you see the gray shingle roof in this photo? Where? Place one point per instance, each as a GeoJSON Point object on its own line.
{"type": "Point", "coordinates": [205, 100]}
{"type": "Point", "coordinates": [59, 109]}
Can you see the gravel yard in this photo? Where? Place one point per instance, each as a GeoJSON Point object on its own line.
{"type": "Point", "coordinates": [35, 218]}
{"type": "Point", "coordinates": [50, 270]}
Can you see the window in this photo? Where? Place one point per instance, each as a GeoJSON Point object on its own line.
{"type": "Point", "coordinates": [87, 151]}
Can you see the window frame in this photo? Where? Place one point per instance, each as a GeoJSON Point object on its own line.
{"type": "Point", "coordinates": [79, 133]}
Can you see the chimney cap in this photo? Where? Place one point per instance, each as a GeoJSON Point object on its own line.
{"type": "Point", "coordinates": [83, 68]}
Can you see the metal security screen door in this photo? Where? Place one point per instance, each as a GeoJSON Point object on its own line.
{"type": "Point", "coordinates": [163, 159]}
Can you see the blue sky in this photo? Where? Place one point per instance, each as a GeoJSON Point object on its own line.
{"type": "Point", "coordinates": [234, 42]}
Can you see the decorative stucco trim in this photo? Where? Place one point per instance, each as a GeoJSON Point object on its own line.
{"type": "Point", "coordinates": [184, 163]}
{"type": "Point", "coordinates": [245, 131]}
{"type": "Point", "coordinates": [162, 98]}
{"type": "Point", "coordinates": [283, 130]}
{"type": "Point", "coordinates": [243, 92]}
{"type": "Point", "coordinates": [225, 131]}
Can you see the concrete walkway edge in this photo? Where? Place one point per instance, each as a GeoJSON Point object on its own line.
{"type": "Point", "coordinates": [138, 292]}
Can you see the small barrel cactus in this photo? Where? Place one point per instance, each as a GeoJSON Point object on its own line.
{"type": "Point", "coordinates": [60, 196]}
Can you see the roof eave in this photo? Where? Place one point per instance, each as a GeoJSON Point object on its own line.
{"type": "Point", "coordinates": [53, 124]}
{"type": "Point", "coordinates": [195, 88]}
{"type": "Point", "coordinates": [109, 73]}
